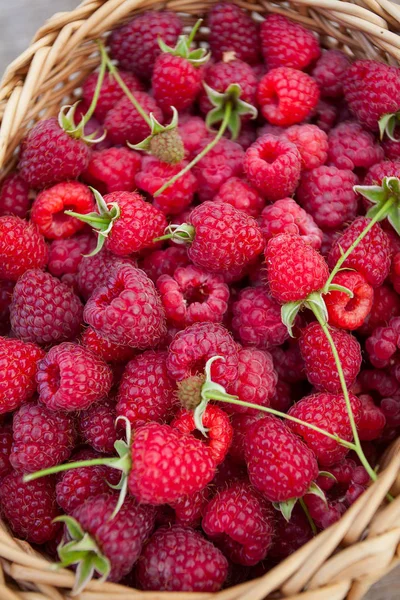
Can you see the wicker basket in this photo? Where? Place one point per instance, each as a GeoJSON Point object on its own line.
{"type": "Point", "coordinates": [343, 561]}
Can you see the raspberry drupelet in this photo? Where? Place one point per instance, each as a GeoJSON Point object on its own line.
{"type": "Point", "coordinates": [286, 216]}
{"type": "Point", "coordinates": [22, 247]}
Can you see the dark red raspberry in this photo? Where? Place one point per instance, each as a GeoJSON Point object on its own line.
{"type": "Point", "coordinates": [22, 247]}
{"type": "Point", "coordinates": [176, 82]}
{"type": "Point", "coordinates": [6, 439]}
{"type": "Point", "coordinates": [286, 216]}
{"type": "Point", "coordinates": [164, 262]}
{"type": "Point", "coordinates": [257, 319]}
{"type": "Point", "coordinates": [223, 161]}
{"type": "Point", "coordinates": [189, 509]}
{"type": "Point", "coordinates": [194, 346]}
{"type": "Point", "coordinates": [390, 147]}
{"type": "Point", "coordinates": [135, 45]}
{"type": "Point", "coordinates": [287, 44]}
{"type": "Point", "coordinates": [240, 194]}
{"type": "Point", "coordinates": [50, 155]}
{"type": "Point", "coordinates": [94, 271]}
{"type": "Point", "coordinates": [395, 271]}
{"type": "Point", "coordinates": [178, 196]}
{"type": "Point", "coordinates": [324, 514]}
{"type": "Point", "coordinates": [372, 421]}
{"type": "Point", "coordinates": [96, 426]}
{"type": "Point", "coordinates": [288, 362]}
{"type": "Point", "coordinates": [125, 124]}
{"type": "Point", "coordinates": [351, 147]}
{"type": "Point", "coordinates": [146, 392]}
{"type": "Point", "coordinates": [378, 381]}
{"type": "Point", "coordinates": [108, 351]}
{"type": "Point", "coordinates": [110, 91]}
{"type": "Point", "coordinates": [179, 559]}
{"type": "Point", "coordinates": [273, 166]}
{"type": "Point", "coordinates": [192, 131]}
{"type": "Point", "coordinates": [324, 115]}
{"type": "Point", "coordinates": [77, 485]}
{"type": "Point", "coordinates": [72, 378]}
{"type": "Point", "coordinates": [287, 96]}
{"type": "Point", "coordinates": [113, 170]}
{"type": "Point", "coordinates": [30, 508]}
{"type": "Point", "coordinates": [14, 196]}
{"type": "Point", "coordinates": [233, 30]}
{"type": "Point", "coordinates": [294, 269]}
{"type": "Point", "coordinates": [329, 73]}
{"type": "Point", "coordinates": [382, 344]}
{"type": "Point", "coordinates": [345, 312]}
{"type": "Point", "coordinates": [327, 194]}
{"type": "Point", "coordinates": [127, 309]}
{"type": "Point", "coordinates": [311, 142]}
{"type": "Point", "coordinates": [44, 310]}
{"type": "Point", "coordinates": [371, 257]}
{"type": "Point", "coordinates": [240, 521]}
{"type": "Point", "coordinates": [65, 256]}
{"type": "Point", "coordinates": [290, 535]}
{"type": "Point", "coordinates": [386, 304]}
{"type": "Point", "coordinates": [41, 438]}
{"type": "Point", "coordinates": [280, 465]}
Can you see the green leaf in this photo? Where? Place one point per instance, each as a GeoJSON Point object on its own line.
{"type": "Point", "coordinates": [286, 508]}
{"type": "Point", "coordinates": [373, 193]}
{"type": "Point", "coordinates": [74, 529]}
{"type": "Point", "coordinates": [394, 218]}
{"type": "Point", "coordinates": [315, 490]}
{"type": "Point", "coordinates": [289, 312]}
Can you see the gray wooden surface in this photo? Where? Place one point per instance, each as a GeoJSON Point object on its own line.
{"type": "Point", "coordinates": [19, 20]}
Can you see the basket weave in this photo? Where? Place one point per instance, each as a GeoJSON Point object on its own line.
{"type": "Point", "coordinates": [341, 562]}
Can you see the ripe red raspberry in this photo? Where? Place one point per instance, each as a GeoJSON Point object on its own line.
{"type": "Point", "coordinates": [22, 247]}
{"type": "Point", "coordinates": [6, 439]}
{"type": "Point", "coordinates": [294, 268]}
{"type": "Point", "coordinates": [386, 304]}
{"type": "Point", "coordinates": [14, 196]}
{"type": "Point", "coordinates": [110, 91]}
{"type": "Point", "coordinates": [372, 421]}
{"type": "Point", "coordinates": [351, 147]}
{"type": "Point", "coordinates": [329, 412]}
{"type": "Point", "coordinates": [194, 346]}
{"type": "Point", "coordinates": [327, 194]}
{"type": "Point", "coordinates": [290, 535]}
{"type": "Point", "coordinates": [311, 142]}
{"type": "Point", "coordinates": [96, 426]}
{"type": "Point", "coordinates": [127, 310]}
{"type": "Point", "coordinates": [179, 559]}
{"type": "Point", "coordinates": [192, 295]}
{"type": "Point", "coordinates": [178, 196]}
{"type": "Point", "coordinates": [164, 262]}
{"type": "Point", "coordinates": [108, 351]}
{"type": "Point", "coordinates": [30, 508]}
{"type": "Point", "coordinates": [386, 168]}
{"type": "Point", "coordinates": [49, 155]}
{"type": "Point", "coordinates": [345, 312]}
{"type": "Point", "coordinates": [223, 161]}
{"type": "Point", "coordinates": [168, 464]}
{"type": "Point", "coordinates": [286, 216]}
{"type": "Point", "coordinates": [257, 319]}
{"type": "Point", "coordinates": [371, 257]}
{"type": "Point", "coordinates": [44, 310]}
{"type": "Point", "coordinates": [146, 392]}
{"type": "Point", "coordinates": [324, 115]}
{"type": "Point", "coordinates": [72, 378]}
{"type": "Point", "coordinates": [273, 166]}
{"type": "Point", "coordinates": [123, 122]}
{"type": "Point", "coordinates": [280, 465]}
{"type": "Point", "coordinates": [77, 485]}
{"type": "Point", "coordinates": [176, 81]}
{"type": "Point", "coordinates": [65, 256]}
{"type": "Point", "coordinates": [192, 131]}
{"type": "Point", "coordinates": [135, 45]}
{"type": "Point", "coordinates": [382, 344]}
{"type": "Point", "coordinates": [241, 522]}
{"type": "Point", "coordinates": [371, 90]}
{"type": "Point", "coordinates": [330, 71]}
{"type": "Point", "coordinates": [288, 362]}
{"type": "Point", "coordinates": [287, 44]}
{"type": "Point", "coordinates": [113, 170]}
{"type": "Point", "coordinates": [241, 422]}
{"type": "Point", "coordinates": [233, 30]}
{"type": "Point", "coordinates": [240, 194]}
{"type": "Point", "coordinates": [287, 96]}
{"type": "Point", "coordinates": [41, 438]}
{"type": "Point", "coordinates": [318, 358]}
{"type": "Point", "coordinates": [189, 509]}
{"type": "Point", "coordinates": [93, 271]}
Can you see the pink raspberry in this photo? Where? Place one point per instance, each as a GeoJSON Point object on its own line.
{"type": "Point", "coordinates": [110, 91]}
{"type": "Point", "coordinates": [103, 348]}
{"type": "Point", "coordinates": [311, 142]}
{"type": "Point", "coordinates": [351, 147]}
{"type": "Point", "coordinates": [286, 216]}
{"type": "Point", "coordinates": [329, 73]}
{"type": "Point", "coordinates": [96, 425]}
{"type": "Point", "coordinates": [372, 421]}
{"type": "Point", "coordinates": [164, 262]}
{"type": "Point", "coordinates": [125, 124]}
{"type": "Point", "coordinates": [240, 194]}
{"type": "Point", "coordinates": [14, 196]}
{"type": "Point", "coordinates": [223, 161]}
{"type": "Point", "coordinates": [65, 256]}
{"type": "Point", "coordinates": [192, 131]}
{"type": "Point", "coordinates": [113, 170]}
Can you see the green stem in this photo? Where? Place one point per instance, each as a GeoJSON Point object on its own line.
{"type": "Point", "coordinates": [193, 32]}
{"type": "Point", "coordinates": [309, 517]}
{"type": "Point", "coordinates": [209, 146]}
{"type": "Point", "coordinates": [100, 79]}
{"type": "Point", "coordinates": [67, 466]}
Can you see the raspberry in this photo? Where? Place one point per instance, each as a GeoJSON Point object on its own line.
{"type": "Point", "coordinates": [44, 310]}
{"type": "Point", "coordinates": [370, 89]}
{"type": "Point", "coordinates": [294, 268]}
{"type": "Point", "coordinates": [351, 147]}
{"type": "Point", "coordinates": [382, 344]}
{"type": "Point", "coordinates": [329, 412]}
{"type": "Point", "coordinates": [146, 392]}
{"type": "Point", "coordinates": [126, 310]}
{"type": "Point", "coordinates": [280, 465]}
{"type": "Point", "coordinates": [135, 45]}
{"type": "Point", "coordinates": [233, 30]}
{"type": "Point", "coordinates": [65, 256]}
{"type": "Point", "coordinates": [6, 439]}
{"type": "Point", "coordinates": [96, 426]}
{"type": "Point", "coordinates": [164, 262]}
{"type": "Point", "coordinates": [240, 194]}
{"type": "Point", "coordinates": [288, 362]}
{"type": "Point", "coordinates": [194, 346]}
{"type": "Point", "coordinates": [371, 257]}
{"type": "Point", "coordinates": [113, 170]}
{"type": "Point", "coordinates": [290, 535]}
{"type": "Point", "coordinates": [110, 91]}
{"type": "Point", "coordinates": [192, 131]}
{"type": "Point", "coordinates": [6, 290]}
{"type": "Point", "coordinates": [30, 508]}
{"type": "Point", "coordinates": [287, 96]}
{"type": "Point", "coordinates": [247, 135]}
{"type": "Point", "coordinates": [93, 271]}
{"type": "Point", "coordinates": [283, 397]}
{"type": "Point", "coordinates": [286, 216]}
{"type": "Point", "coordinates": [178, 196]}
{"type": "Point", "coordinates": [108, 351]}
{"type": "Point", "coordinates": [50, 155]}
{"type": "Point", "coordinates": [189, 509]}
{"type": "Point", "coordinates": [76, 486]}
{"type": "Point", "coordinates": [241, 422]}
{"type": "Point", "coordinates": [324, 115]}
{"type": "Point", "coordinates": [22, 247]}
{"type": "Point", "coordinates": [345, 312]}
{"type": "Point", "coordinates": [386, 168]}
{"type": "Point", "coordinates": [192, 295]}
{"type": "Point", "coordinates": [167, 465]}
{"type": "Point", "coordinates": [329, 73]}
{"type": "Point", "coordinates": [390, 147]}
{"type": "Point", "coordinates": [324, 514]}
{"type": "Point", "coordinates": [72, 378]}
{"type": "Point", "coordinates": [41, 438]}
{"type": "Point", "coordinates": [241, 522]}
{"type": "Point", "coordinates": [223, 161]}
{"type": "Point", "coordinates": [372, 421]}
{"type": "Point", "coordinates": [287, 44]}
{"type": "Point", "coordinates": [257, 319]}
{"type": "Point", "coordinates": [311, 142]}
{"type": "Point", "coordinates": [378, 381]}
{"type": "Point", "coordinates": [179, 559]}
{"type": "Point", "coordinates": [327, 194]}
{"type": "Point", "coordinates": [386, 304]}
{"type": "Point", "coordinates": [176, 81]}
{"type": "Point", "coordinates": [125, 124]}
{"type": "Point", "coordinates": [14, 196]}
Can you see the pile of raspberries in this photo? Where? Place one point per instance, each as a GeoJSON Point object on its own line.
{"type": "Point", "coordinates": [97, 343]}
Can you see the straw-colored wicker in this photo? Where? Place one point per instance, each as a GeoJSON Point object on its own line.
{"type": "Point", "coordinates": [343, 561]}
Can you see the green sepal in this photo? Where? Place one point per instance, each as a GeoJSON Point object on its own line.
{"type": "Point", "coordinates": [208, 388]}
{"type": "Point", "coordinates": [373, 193]}
{"type": "Point", "coordinates": [198, 416]}
{"type": "Point", "coordinates": [124, 464]}
{"type": "Point", "coordinates": [156, 129]}
{"type": "Point", "coordinates": [327, 474]}
{"type": "Point", "coordinates": [286, 508]}
{"type": "Point", "coordinates": [220, 101]}
{"type": "Point", "coordinates": [289, 312]}
{"type": "Point", "coordinates": [393, 217]}
{"type": "Point", "coordinates": [335, 287]}
{"type": "Point", "coordinates": [379, 195]}
{"type": "Point", "coordinates": [315, 490]}
{"type": "Point", "coordinates": [66, 120]}
{"type": "Point", "coordinates": [180, 234]}
{"type": "Point", "coordinates": [316, 304]}
{"type": "Point", "coordinates": [387, 124]}
{"type": "Point", "coordinates": [197, 57]}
